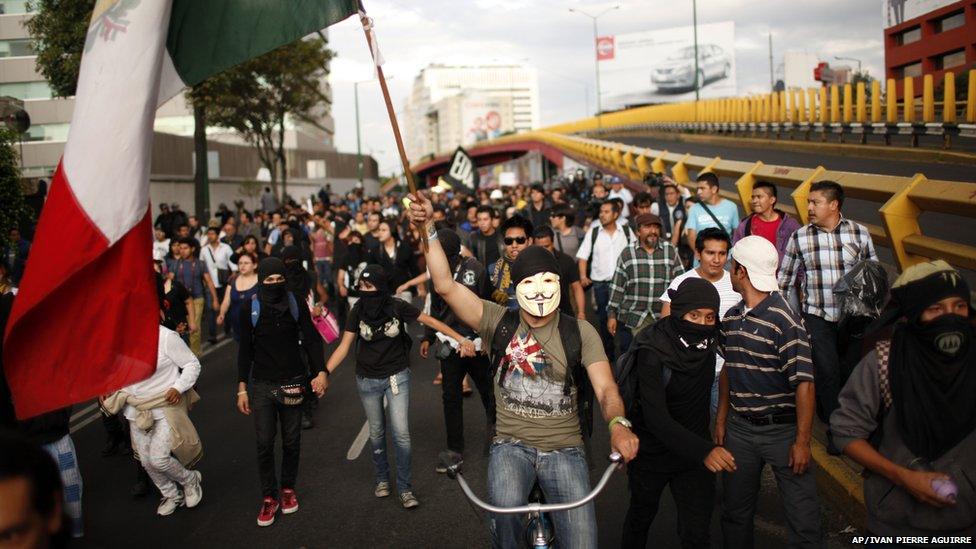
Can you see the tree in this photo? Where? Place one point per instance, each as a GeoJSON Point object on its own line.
{"type": "Point", "coordinates": [58, 31]}
{"type": "Point", "coordinates": [258, 97]}
{"type": "Point", "coordinates": [15, 211]}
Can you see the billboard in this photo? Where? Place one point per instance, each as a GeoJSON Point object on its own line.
{"type": "Point", "coordinates": [897, 12]}
{"type": "Point", "coordinates": [658, 66]}
{"type": "Point", "coordinates": [484, 117]}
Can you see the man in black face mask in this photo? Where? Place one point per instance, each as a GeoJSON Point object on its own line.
{"type": "Point", "coordinates": [471, 274]}
{"type": "Point", "coordinates": [279, 349]}
{"type": "Point", "coordinates": [675, 364]}
{"type": "Point", "coordinates": [908, 411]}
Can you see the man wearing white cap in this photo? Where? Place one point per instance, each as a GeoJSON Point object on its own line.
{"type": "Point", "coordinates": [767, 382]}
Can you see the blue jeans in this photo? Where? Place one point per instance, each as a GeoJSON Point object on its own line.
{"type": "Point", "coordinates": [601, 297]}
{"type": "Point", "coordinates": [371, 392]}
{"type": "Point", "coordinates": [513, 468]}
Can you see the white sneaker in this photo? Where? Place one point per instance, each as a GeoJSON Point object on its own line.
{"type": "Point", "coordinates": [194, 492]}
{"type": "Point", "coordinates": [168, 505]}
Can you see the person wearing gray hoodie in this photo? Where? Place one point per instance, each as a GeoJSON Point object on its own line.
{"type": "Point", "coordinates": [907, 413]}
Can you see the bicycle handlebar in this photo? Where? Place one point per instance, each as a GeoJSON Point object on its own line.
{"type": "Point", "coordinates": [615, 458]}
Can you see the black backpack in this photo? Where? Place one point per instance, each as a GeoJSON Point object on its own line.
{"type": "Point", "coordinates": [625, 374]}
{"type": "Point", "coordinates": [576, 375]}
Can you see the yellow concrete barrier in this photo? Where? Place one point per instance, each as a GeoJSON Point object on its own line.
{"type": "Point", "coordinates": [902, 200]}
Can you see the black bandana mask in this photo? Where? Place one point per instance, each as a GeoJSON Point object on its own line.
{"type": "Point", "coordinates": [948, 335]}
{"type": "Point", "coordinates": [695, 336]}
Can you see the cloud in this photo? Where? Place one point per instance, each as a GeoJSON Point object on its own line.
{"type": "Point", "coordinates": [546, 35]}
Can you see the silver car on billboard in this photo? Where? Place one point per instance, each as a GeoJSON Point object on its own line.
{"type": "Point", "coordinates": [677, 72]}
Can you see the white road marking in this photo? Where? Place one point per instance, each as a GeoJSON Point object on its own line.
{"type": "Point", "coordinates": [357, 445]}
{"type": "Point", "coordinates": [77, 415]}
{"type": "Point", "coordinates": [360, 442]}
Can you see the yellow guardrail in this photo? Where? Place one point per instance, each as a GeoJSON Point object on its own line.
{"type": "Point", "coordinates": [902, 199]}
{"type": "Point", "coordinates": [832, 106]}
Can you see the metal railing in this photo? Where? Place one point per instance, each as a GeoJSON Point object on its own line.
{"type": "Point", "coordinates": [903, 199]}
{"type": "Point", "coordinates": [860, 110]}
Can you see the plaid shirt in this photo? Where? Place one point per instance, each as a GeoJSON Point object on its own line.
{"type": "Point", "coordinates": [825, 256]}
{"type": "Point", "coordinates": [639, 281]}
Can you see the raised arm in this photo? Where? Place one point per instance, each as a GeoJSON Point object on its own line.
{"type": "Point", "coordinates": [465, 304]}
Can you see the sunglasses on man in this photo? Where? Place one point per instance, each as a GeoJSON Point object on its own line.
{"type": "Point", "coordinates": [509, 240]}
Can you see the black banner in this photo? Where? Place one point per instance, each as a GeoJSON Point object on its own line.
{"type": "Point", "coordinates": [462, 171]}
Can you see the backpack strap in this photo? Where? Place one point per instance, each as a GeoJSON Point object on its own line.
{"type": "Point", "coordinates": [499, 340]}
{"type": "Point", "coordinates": [589, 260]}
{"type": "Point", "coordinates": [255, 310]}
{"type": "Point", "coordinates": [293, 306]}
{"type": "Point", "coordinates": [572, 341]}
{"type": "Point", "coordinates": [715, 219]}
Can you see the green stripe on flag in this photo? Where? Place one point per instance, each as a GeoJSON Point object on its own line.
{"type": "Point", "coordinates": [208, 36]}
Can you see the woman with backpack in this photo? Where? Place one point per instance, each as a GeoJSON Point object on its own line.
{"type": "Point", "coordinates": [279, 347]}
{"type": "Point", "coordinates": [377, 324]}
{"type": "Point", "coordinates": [670, 384]}
{"type": "Point", "coordinates": [907, 412]}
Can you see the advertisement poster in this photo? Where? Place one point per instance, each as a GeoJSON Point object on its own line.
{"type": "Point", "coordinates": [897, 12]}
{"type": "Point", "coordinates": [484, 118]}
{"type": "Point", "coordinates": [658, 66]}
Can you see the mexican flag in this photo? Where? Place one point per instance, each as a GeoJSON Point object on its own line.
{"type": "Point", "coordinates": [85, 321]}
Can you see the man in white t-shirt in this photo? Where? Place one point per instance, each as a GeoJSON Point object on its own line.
{"type": "Point", "coordinates": [712, 245]}
{"type": "Point", "coordinates": [216, 257]}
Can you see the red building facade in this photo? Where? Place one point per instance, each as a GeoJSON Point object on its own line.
{"type": "Point", "coordinates": [943, 39]}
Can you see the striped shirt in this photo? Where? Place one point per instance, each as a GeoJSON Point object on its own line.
{"type": "Point", "coordinates": [767, 354]}
{"type": "Point", "coordinates": [825, 256]}
{"type": "Point", "coordinates": [639, 280]}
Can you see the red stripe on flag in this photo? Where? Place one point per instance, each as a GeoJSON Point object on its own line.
{"type": "Point", "coordinates": [84, 322]}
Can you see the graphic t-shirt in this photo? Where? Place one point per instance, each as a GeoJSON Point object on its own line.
{"type": "Point", "coordinates": [382, 352]}
{"type": "Point", "coordinates": [531, 406]}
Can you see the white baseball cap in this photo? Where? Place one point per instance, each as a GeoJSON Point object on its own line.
{"type": "Point", "coordinates": [761, 261]}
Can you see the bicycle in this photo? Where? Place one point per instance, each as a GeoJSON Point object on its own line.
{"type": "Point", "coordinates": [538, 530]}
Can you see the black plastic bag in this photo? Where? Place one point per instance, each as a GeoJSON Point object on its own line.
{"type": "Point", "coordinates": [862, 292]}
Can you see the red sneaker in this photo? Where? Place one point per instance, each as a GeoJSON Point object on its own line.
{"type": "Point", "coordinates": [289, 502]}
{"type": "Point", "coordinates": [269, 508]}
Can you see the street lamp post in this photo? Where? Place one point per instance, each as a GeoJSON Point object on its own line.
{"type": "Point", "coordinates": [858, 61]}
{"type": "Point", "coordinates": [596, 57]}
{"type": "Point", "coordinates": [359, 150]}
{"type": "Point", "coordinates": [694, 24]}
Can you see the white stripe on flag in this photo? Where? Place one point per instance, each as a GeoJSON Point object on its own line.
{"type": "Point", "coordinates": [107, 157]}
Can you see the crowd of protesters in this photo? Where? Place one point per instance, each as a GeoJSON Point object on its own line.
{"type": "Point", "coordinates": [540, 295]}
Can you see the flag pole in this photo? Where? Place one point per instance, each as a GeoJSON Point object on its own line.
{"type": "Point", "coordinates": [374, 51]}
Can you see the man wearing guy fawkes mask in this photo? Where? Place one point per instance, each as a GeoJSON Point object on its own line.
{"type": "Point", "coordinates": [908, 413]}
{"type": "Point", "coordinates": [547, 367]}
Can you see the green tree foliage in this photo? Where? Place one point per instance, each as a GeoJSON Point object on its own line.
{"type": "Point", "coordinates": [58, 30]}
{"type": "Point", "coordinates": [257, 97]}
{"type": "Point", "coordinates": [15, 211]}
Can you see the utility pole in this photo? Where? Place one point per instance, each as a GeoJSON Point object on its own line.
{"type": "Point", "coordinates": [694, 23]}
{"type": "Point", "coordinates": [596, 58]}
{"type": "Point", "coordinates": [772, 82]}
{"type": "Point", "coordinates": [359, 149]}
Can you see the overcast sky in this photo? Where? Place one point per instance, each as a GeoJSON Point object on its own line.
{"type": "Point", "coordinates": [544, 34]}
